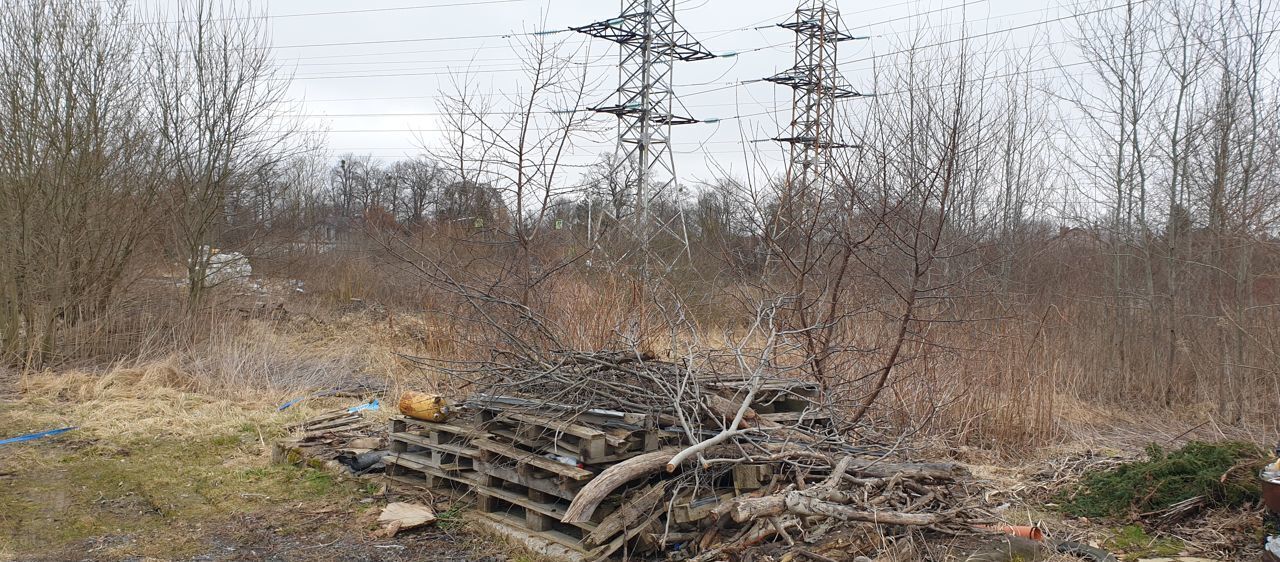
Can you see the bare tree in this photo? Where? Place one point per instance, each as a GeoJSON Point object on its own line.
{"type": "Point", "coordinates": [518, 153]}
{"type": "Point", "coordinates": [218, 97]}
{"type": "Point", "coordinates": [76, 181]}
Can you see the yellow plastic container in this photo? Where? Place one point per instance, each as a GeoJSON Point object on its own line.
{"type": "Point", "coordinates": [423, 406]}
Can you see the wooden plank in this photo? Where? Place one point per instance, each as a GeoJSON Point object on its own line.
{"type": "Point", "coordinates": [603, 552]}
{"type": "Point", "coordinates": [459, 430]}
{"type": "Point", "coordinates": [636, 506]}
{"type": "Point", "coordinates": [320, 418]}
{"type": "Point", "coordinates": [792, 417]}
{"type": "Point", "coordinates": [424, 465]}
{"type": "Point", "coordinates": [533, 459]}
{"type": "Point", "coordinates": [311, 435]}
{"type": "Point", "coordinates": [442, 447]}
{"type": "Point", "coordinates": [559, 426]}
{"type": "Point", "coordinates": [545, 485]}
{"type": "Point", "coordinates": [552, 536]}
{"type": "Point", "coordinates": [334, 424]}
{"type": "Point", "coordinates": [549, 509]}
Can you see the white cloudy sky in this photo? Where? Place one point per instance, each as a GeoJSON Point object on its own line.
{"type": "Point", "coordinates": [371, 79]}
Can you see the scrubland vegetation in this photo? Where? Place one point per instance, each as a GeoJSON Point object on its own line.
{"type": "Point", "coordinates": [1010, 262]}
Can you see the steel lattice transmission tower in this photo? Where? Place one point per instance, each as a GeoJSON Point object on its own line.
{"type": "Point", "coordinates": [651, 42]}
{"type": "Point", "coordinates": [817, 84]}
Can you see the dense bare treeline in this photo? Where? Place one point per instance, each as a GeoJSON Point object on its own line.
{"type": "Point", "coordinates": [1092, 218]}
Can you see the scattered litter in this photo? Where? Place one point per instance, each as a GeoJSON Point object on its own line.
{"type": "Point", "coordinates": [341, 440]}
{"type": "Point", "coordinates": [1272, 472]}
{"type": "Point", "coordinates": [360, 463]}
{"type": "Point", "coordinates": [372, 405]}
{"type": "Point", "coordinates": [1025, 531]}
{"type": "Point", "coordinates": [34, 436]}
{"type": "Point", "coordinates": [225, 266]}
{"type": "Point", "coordinates": [358, 391]}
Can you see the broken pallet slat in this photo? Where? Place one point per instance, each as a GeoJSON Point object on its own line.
{"type": "Point", "coordinates": [335, 423]}
{"type": "Point", "coordinates": [319, 418]}
{"type": "Point", "coordinates": [567, 427]}
{"type": "Point", "coordinates": [311, 435]}
{"type": "Point", "coordinates": [636, 507]}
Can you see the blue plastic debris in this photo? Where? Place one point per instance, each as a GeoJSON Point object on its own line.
{"type": "Point", "coordinates": [373, 405]}
{"type": "Point", "coordinates": [34, 436]}
{"type": "Point", "coordinates": [295, 401]}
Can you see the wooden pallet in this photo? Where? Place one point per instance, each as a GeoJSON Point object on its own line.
{"type": "Point", "coordinates": [549, 484]}
{"type": "Point", "coordinates": [418, 469]}
{"type": "Point", "coordinates": [457, 431]}
{"type": "Point", "coordinates": [589, 444]}
{"type": "Point", "coordinates": [495, 452]}
{"type": "Point", "coordinates": [530, 508]}
{"type": "Point", "coordinates": [503, 462]}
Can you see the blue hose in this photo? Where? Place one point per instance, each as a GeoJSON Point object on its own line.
{"type": "Point", "coordinates": [34, 436]}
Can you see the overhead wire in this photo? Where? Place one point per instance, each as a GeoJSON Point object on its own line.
{"type": "Point", "coordinates": [454, 4]}
{"type": "Point", "coordinates": [708, 141]}
{"type": "Point", "coordinates": [1061, 66]}
{"type": "Point", "coordinates": [549, 31]}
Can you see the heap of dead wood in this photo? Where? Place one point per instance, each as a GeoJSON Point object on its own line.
{"type": "Point", "coordinates": [805, 479]}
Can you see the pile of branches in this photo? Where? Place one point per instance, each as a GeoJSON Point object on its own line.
{"type": "Point", "coordinates": [613, 380]}
{"type": "Point", "coordinates": [898, 497]}
{"type": "Point", "coordinates": [678, 395]}
{"type": "Point", "coordinates": [819, 480]}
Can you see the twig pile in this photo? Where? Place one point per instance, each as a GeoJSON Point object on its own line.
{"type": "Point", "coordinates": [749, 458]}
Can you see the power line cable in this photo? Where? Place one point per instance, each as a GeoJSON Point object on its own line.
{"type": "Point", "coordinates": [919, 89]}
{"type": "Point", "coordinates": [999, 31]}
{"type": "Point", "coordinates": [346, 12]}
{"type": "Point", "coordinates": [545, 32]}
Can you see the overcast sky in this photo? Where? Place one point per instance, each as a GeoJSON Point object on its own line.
{"type": "Point", "coordinates": [372, 79]}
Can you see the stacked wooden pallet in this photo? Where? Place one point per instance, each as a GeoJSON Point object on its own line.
{"type": "Point", "coordinates": [523, 465]}
{"type": "Point", "coordinates": [436, 455]}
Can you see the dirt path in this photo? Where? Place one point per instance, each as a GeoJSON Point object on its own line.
{"type": "Point", "coordinates": [259, 536]}
{"type": "Point", "coordinates": [164, 492]}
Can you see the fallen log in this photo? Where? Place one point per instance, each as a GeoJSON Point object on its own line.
{"type": "Point", "coordinates": [612, 478]}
